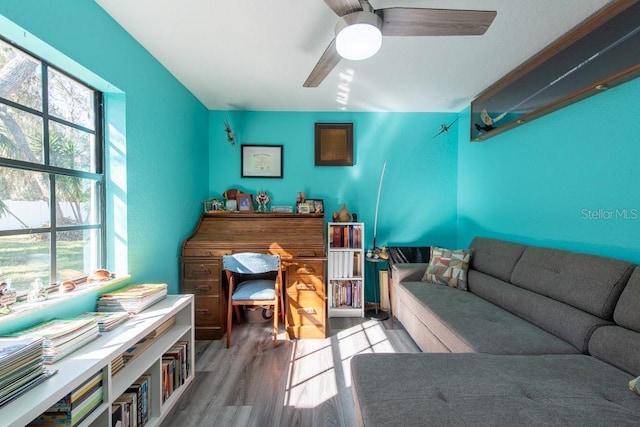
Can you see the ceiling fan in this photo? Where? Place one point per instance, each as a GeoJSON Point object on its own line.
{"type": "Point", "coordinates": [360, 29]}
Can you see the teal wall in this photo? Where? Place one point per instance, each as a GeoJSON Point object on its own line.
{"type": "Point", "coordinates": [157, 130]}
{"type": "Point", "coordinates": [418, 196]}
{"type": "Point", "coordinates": [568, 180]}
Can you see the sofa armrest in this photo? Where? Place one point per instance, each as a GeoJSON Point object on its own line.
{"type": "Point", "coordinates": [409, 272]}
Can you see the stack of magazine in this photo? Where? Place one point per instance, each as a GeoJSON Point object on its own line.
{"type": "Point", "coordinates": [63, 336]}
{"type": "Point", "coordinates": [72, 409]}
{"type": "Point", "coordinates": [21, 366]}
{"type": "Point", "coordinates": [108, 321]}
{"type": "Point", "coordinates": [133, 298]}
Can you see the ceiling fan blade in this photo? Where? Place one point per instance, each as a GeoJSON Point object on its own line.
{"type": "Point", "coordinates": [400, 21]}
{"type": "Point", "coordinates": [326, 63]}
{"type": "Point", "coordinates": [343, 7]}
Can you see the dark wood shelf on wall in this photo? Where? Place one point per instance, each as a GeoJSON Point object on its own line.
{"type": "Point", "coordinates": [600, 53]}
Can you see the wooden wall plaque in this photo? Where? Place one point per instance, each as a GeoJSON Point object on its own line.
{"type": "Point", "coordinates": [334, 144]}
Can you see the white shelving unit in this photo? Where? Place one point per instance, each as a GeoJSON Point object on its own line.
{"type": "Point", "coordinates": [345, 269]}
{"type": "Point", "coordinates": [97, 355]}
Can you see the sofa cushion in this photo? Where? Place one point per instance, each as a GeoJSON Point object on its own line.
{"type": "Point", "coordinates": [627, 311]}
{"type": "Point", "coordinates": [489, 390]}
{"type": "Point", "coordinates": [618, 346]}
{"type": "Point", "coordinates": [448, 267]}
{"type": "Point", "coordinates": [440, 318]}
{"type": "Point", "coordinates": [588, 282]}
{"type": "Point", "coordinates": [571, 324]}
{"type": "Point", "coordinates": [495, 257]}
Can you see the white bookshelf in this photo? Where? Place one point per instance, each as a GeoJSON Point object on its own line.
{"type": "Point", "coordinates": [97, 355]}
{"type": "Point", "coordinates": [345, 269]}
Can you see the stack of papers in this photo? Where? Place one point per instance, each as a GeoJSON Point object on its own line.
{"type": "Point", "coordinates": [132, 299]}
{"type": "Point", "coordinates": [63, 336]}
{"type": "Point", "coordinates": [21, 366]}
{"type": "Point", "coordinates": [108, 320]}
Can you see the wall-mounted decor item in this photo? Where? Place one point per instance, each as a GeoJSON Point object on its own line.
{"type": "Point", "coordinates": [598, 54]}
{"type": "Point", "coordinates": [334, 144]}
{"type": "Point", "coordinates": [261, 161]}
{"type": "Point", "coordinates": [245, 202]}
{"type": "Point", "coordinates": [231, 135]}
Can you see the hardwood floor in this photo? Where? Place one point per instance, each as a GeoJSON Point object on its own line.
{"type": "Point", "coordinates": [299, 383]}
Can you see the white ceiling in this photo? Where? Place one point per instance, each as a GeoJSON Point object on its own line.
{"type": "Point", "coordinates": [256, 54]}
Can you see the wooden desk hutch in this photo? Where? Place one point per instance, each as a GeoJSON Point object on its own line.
{"type": "Point", "coordinates": [298, 238]}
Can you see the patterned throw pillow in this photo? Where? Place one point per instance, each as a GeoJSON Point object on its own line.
{"type": "Point", "coordinates": [448, 267]}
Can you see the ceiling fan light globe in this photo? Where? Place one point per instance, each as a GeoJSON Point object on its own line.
{"type": "Point", "coordinates": [358, 35]}
{"type": "Point", "coordinates": [358, 41]}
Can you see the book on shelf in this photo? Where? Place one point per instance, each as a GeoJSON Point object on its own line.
{"type": "Point", "coordinates": [345, 264]}
{"type": "Point", "coordinates": [346, 293]}
{"type": "Point", "coordinates": [129, 403]}
{"type": "Point", "coordinates": [140, 388]}
{"type": "Point", "coordinates": [72, 409]}
{"type": "Point", "coordinates": [345, 235]}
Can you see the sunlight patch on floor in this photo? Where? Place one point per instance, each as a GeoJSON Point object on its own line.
{"type": "Point", "coordinates": [311, 378]}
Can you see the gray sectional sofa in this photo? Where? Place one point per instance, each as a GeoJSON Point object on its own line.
{"type": "Point", "coordinates": [541, 337]}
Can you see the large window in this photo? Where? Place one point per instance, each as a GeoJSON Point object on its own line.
{"type": "Point", "coordinates": [51, 173]}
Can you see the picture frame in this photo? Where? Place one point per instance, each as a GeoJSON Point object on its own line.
{"type": "Point", "coordinates": [304, 207]}
{"type": "Point", "coordinates": [316, 205]}
{"type": "Point", "coordinates": [261, 161]}
{"type": "Point", "coordinates": [334, 144]}
{"type": "Point", "coordinates": [245, 202]}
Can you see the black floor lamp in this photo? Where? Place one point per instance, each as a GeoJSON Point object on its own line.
{"type": "Point", "coordinates": [374, 257]}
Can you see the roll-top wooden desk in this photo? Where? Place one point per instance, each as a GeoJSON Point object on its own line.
{"type": "Point", "coordinates": [298, 238]}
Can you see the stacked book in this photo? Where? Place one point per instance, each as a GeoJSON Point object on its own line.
{"type": "Point", "coordinates": [132, 299]}
{"type": "Point", "coordinates": [131, 409]}
{"type": "Point", "coordinates": [21, 366]}
{"type": "Point", "coordinates": [72, 409]}
{"type": "Point", "coordinates": [346, 293]}
{"type": "Point", "coordinates": [108, 321]}
{"type": "Point", "coordinates": [175, 368]}
{"type": "Point", "coordinates": [63, 336]}
{"type": "Point", "coordinates": [137, 349]}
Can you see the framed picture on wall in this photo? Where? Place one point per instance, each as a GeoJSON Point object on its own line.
{"type": "Point", "coordinates": [261, 161]}
{"type": "Point", "coordinates": [334, 144]}
{"type": "Point", "coordinates": [245, 202]}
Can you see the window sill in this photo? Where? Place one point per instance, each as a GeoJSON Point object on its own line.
{"type": "Point", "coordinates": [24, 308]}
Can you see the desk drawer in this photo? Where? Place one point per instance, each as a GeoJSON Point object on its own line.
{"type": "Point", "coordinates": [200, 287]}
{"type": "Point", "coordinates": [298, 285]}
{"type": "Point", "coordinates": [305, 268]}
{"type": "Point", "coordinates": [207, 311]}
{"type": "Point", "coordinates": [306, 310]}
{"type": "Point", "coordinates": [209, 270]}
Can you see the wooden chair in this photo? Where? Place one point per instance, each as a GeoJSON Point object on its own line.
{"type": "Point", "coordinates": [253, 291]}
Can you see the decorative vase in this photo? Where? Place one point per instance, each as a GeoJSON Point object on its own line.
{"type": "Point", "coordinates": [342, 215]}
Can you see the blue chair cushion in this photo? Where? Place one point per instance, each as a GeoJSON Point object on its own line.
{"type": "Point", "coordinates": [255, 290]}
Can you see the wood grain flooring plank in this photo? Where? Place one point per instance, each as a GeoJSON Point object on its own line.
{"type": "Point", "coordinates": [304, 383]}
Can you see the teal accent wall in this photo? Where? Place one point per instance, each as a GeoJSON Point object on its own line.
{"type": "Point", "coordinates": [568, 180]}
{"type": "Point", "coordinates": [418, 196]}
{"type": "Point", "coordinates": [157, 133]}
